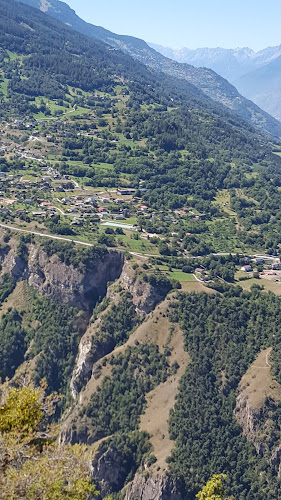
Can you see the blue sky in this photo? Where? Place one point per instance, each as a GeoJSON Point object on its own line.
{"type": "Point", "coordinates": [185, 23]}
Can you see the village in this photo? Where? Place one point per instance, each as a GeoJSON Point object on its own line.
{"type": "Point", "coordinates": [43, 191]}
{"type": "Point", "coordinates": [36, 191]}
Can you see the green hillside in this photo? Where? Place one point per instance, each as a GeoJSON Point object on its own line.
{"type": "Point", "coordinates": [224, 334]}
{"type": "Point", "coordinates": [205, 79]}
{"type": "Point", "coordinates": [146, 179]}
{"type": "Point", "coordinates": [108, 121]}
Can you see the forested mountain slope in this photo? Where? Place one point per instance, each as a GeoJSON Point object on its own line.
{"type": "Point", "coordinates": [104, 322]}
{"type": "Point", "coordinates": [207, 80]}
{"type": "Point", "coordinates": [126, 125]}
{"type": "Point", "coordinates": [125, 348]}
{"type": "Point", "coordinates": [255, 74]}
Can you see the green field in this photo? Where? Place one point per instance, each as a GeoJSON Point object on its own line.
{"type": "Point", "coordinates": [177, 274]}
{"type": "Point", "coordinates": [4, 87]}
{"type": "Point", "coordinates": [181, 276]}
{"type": "Point", "coordinates": [269, 286]}
{"type": "Point", "coordinates": [31, 177]}
{"type": "Point", "coordinates": [131, 220]}
{"type": "Point", "coordinates": [223, 200]}
{"type": "Point", "coordinates": [103, 166]}
{"type": "Point", "coordinates": [139, 246]}
{"type": "Point", "coordinates": [66, 111]}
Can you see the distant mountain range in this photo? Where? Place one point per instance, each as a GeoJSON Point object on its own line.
{"type": "Point", "coordinates": [257, 75]}
{"type": "Point", "coordinates": [213, 85]}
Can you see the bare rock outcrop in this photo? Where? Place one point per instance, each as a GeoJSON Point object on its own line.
{"type": "Point", "coordinates": [145, 296]}
{"type": "Point", "coordinates": [257, 409]}
{"type": "Point", "coordinates": [109, 471]}
{"type": "Point", "coordinates": [158, 487]}
{"type": "Point", "coordinates": [79, 287]}
{"type": "Point", "coordinates": [90, 351]}
{"type": "Point", "coordinates": [13, 264]}
{"type": "Point", "coordinates": [249, 418]}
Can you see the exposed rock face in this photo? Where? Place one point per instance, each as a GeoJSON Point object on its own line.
{"type": "Point", "coordinates": [90, 351]}
{"type": "Point", "coordinates": [13, 265]}
{"type": "Point", "coordinates": [109, 471]}
{"type": "Point", "coordinates": [275, 459]}
{"type": "Point", "coordinates": [145, 296]}
{"type": "Point", "coordinates": [154, 488]}
{"type": "Point", "coordinates": [257, 410]}
{"type": "Point", "coordinates": [260, 429]}
{"type": "Point", "coordinates": [249, 419]}
{"type": "Point", "coordinates": [77, 287]}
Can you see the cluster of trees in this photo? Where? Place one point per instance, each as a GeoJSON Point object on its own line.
{"type": "Point", "coordinates": [259, 211]}
{"type": "Point", "coordinates": [162, 283]}
{"type": "Point", "coordinates": [75, 255]}
{"type": "Point", "coordinates": [223, 334]}
{"type": "Point", "coordinates": [55, 340]}
{"type": "Point", "coordinates": [6, 287]}
{"type": "Point", "coordinates": [222, 266]}
{"type": "Point", "coordinates": [13, 342]}
{"type": "Point", "coordinates": [214, 489]}
{"type": "Point", "coordinates": [218, 266]}
{"type": "Point", "coordinates": [32, 463]}
{"type": "Point", "coordinates": [117, 323]}
{"type": "Point", "coordinates": [120, 400]}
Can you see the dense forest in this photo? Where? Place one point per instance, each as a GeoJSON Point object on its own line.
{"type": "Point", "coordinates": [121, 399]}
{"type": "Point", "coordinates": [55, 339]}
{"type": "Point", "coordinates": [223, 334]}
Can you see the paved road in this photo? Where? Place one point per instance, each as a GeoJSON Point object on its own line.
{"type": "Point", "coordinates": [43, 235]}
{"type": "Point", "coordinates": [61, 211]}
{"type": "Point", "coordinates": [52, 236]}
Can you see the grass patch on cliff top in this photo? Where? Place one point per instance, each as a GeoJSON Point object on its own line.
{"type": "Point", "coordinates": [139, 246]}
{"type": "Point", "coordinates": [269, 286]}
{"type": "Point", "coordinates": [177, 274]}
{"type": "Point", "coordinates": [258, 384]}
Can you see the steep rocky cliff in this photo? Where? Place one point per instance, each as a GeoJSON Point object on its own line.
{"type": "Point", "coordinates": [132, 314]}
{"type": "Point", "coordinates": [109, 470]}
{"type": "Point", "coordinates": [158, 487]}
{"type": "Point", "coordinates": [96, 344]}
{"type": "Point", "coordinates": [258, 407]}
{"type": "Point", "coordinates": [144, 295]}
{"type": "Point", "coordinates": [74, 286]}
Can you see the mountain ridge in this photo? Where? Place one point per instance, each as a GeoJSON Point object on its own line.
{"type": "Point", "coordinates": [230, 63]}
{"type": "Point", "coordinates": [216, 87]}
{"type": "Point", "coordinates": [257, 75]}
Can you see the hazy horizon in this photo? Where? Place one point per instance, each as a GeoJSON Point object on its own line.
{"type": "Point", "coordinates": [210, 48]}
{"type": "Point", "coordinates": [187, 25]}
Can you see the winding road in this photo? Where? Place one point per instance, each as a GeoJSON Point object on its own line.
{"type": "Point", "coordinates": [54, 237]}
